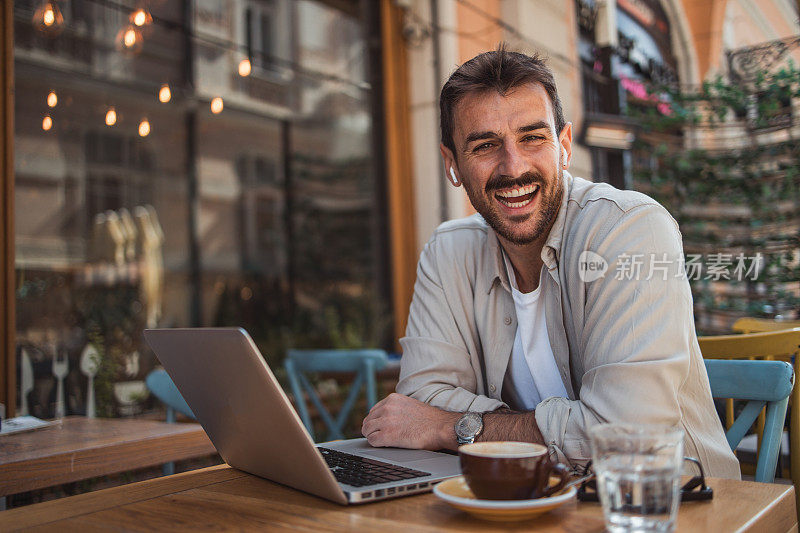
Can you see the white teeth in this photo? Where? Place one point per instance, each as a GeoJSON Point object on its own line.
{"type": "Point", "coordinates": [513, 197]}
{"type": "Point", "coordinates": [517, 204]}
{"type": "Point", "coordinates": [517, 192]}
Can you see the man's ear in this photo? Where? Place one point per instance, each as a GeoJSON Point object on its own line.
{"type": "Point", "coordinates": [450, 167]}
{"type": "Point", "coordinates": [565, 140]}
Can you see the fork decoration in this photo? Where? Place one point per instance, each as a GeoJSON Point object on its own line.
{"type": "Point", "coordinates": [60, 371]}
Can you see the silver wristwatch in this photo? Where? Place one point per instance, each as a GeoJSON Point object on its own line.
{"type": "Point", "coordinates": [468, 428]}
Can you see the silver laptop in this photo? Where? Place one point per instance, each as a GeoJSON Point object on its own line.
{"type": "Point", "coordinates": [248, 417]}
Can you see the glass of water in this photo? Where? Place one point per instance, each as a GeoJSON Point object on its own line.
{"type": "Point", "coordinates": [638, 470]}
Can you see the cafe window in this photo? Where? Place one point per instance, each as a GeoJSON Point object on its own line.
{"type": "Point", "coordinates": [160, 183]}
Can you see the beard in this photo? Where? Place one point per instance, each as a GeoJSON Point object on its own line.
{"type": "Point", "coordinates": [526, 228]}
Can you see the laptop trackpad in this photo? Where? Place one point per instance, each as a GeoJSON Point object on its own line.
{"type": "Point", "coordinates": [399, 455]}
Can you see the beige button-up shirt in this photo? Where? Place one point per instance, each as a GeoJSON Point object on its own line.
{"type": "Point", "coordinates": [624, 343]}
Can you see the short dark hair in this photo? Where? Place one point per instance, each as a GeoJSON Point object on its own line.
{"type": "Point", "coordinates": [501, 70]}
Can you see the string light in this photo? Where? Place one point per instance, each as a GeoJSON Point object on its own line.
{"type": "Point", "coordinates": [111, 117]}
{"type": "Point", "coordinates": [47, 123]}
{"type": "Point", "coordinates": [244, 67]}
{"type": "Point", "coordinates": [52, 99]}
{"type": "Point", "coordinates": [216, 105]}
{"type": "Point", "coordinates": [48, 18]}
{"type": "Point", "coordinates": [144, 128]}
{"type": "Point", "coordinates": [164, 94]}
{"type": "Point", "coordinates": [129, 39]}
{"type": "Point", "coordinates": [222, 44]}
{"type": "Point", "coordinates": [141, 17]}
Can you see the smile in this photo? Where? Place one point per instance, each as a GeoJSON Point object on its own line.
{"type": "Point", "coordinates": [517, 197]}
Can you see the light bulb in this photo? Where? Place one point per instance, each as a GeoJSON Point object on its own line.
{"type": "Point", "coordinates": [52, 99]}
{"type": "Point", "coordinates": [244, 67]}
{"type": "Point", "coordinates": [48, 18]}
{"type": "Point", "coordinates": [47, 123]}
{"type": "Point", "coordinates": [164, 94]}
{"type": "Point", "coordinates": [111, 117]}
{"type": "Point", "coordinates": [129, 39]}
{"type": "Point", "coordinates": [216, 105]}
{"type": "Point", "coordinates": [141, 17]}
{"type": "Point", "coordinates": [144, 128]}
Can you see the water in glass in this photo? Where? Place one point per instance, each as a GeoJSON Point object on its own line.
{"type": "Point", "coordinates": [639, 492]}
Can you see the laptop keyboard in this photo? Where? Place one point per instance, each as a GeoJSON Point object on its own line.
{"type": "Point", "coordinates": [360, 471]}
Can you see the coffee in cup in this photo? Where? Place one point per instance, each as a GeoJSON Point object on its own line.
{"type": "Point", "coordinates": [506, 470]}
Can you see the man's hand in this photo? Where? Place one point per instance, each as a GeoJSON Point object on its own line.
{"type": "Point", "coordinates": [404, 422]}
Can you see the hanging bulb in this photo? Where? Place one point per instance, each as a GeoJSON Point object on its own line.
{"type": "Point", "coordinates": [52, 99]}
{"type": "Point", "coordinates": [111, 117]}
{"type": "Point", "coordinates": [244, 67]}
{"type": "Point", "coordinates": [129, 39]}
{"type": "Point", "coordinates": [216, 105]}
{"type": "Point", "coordinates": [144, 128]}
{"type": "Point", "coordinates": [48, 18]}
{"type": "Point", "coordinates": [47, 123]}
{"type": "Point", "coordinates": [141, 17]}
{"type": "Point", "coordinates": [164, 94]}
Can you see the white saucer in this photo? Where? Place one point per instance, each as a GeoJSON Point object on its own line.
{"type": "Point", "coordinates": [456, 492]}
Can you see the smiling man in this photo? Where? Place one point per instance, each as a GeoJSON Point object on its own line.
{"type": "Point", "coordinates": [528, 320]}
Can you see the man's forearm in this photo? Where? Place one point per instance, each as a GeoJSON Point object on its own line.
{"type": "Point", "coordinates": [399, 420]}
{"type": "Point", "coordinates": [505, 424]}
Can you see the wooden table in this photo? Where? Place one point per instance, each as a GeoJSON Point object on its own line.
{"type": "Point", "coordinates": [222, 498]}
{"type": "Point", "coordinates": [80, 448]}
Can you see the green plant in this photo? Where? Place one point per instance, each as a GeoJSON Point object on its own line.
{"type": "Point", "coordinates": [739, 197]}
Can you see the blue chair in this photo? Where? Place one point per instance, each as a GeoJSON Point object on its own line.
{"type": "Point", "coordinates": [760, 384]}
{"type": "Point", "coordinates": [364, 363]}
{"type": "Point", "coordinates": [162, 387]}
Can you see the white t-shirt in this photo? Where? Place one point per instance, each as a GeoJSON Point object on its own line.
{"type": "Point", "coordinates": [532, 371]}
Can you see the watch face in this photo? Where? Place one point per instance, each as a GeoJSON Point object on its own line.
{"type": "Point", "coordinates": [469, 425]}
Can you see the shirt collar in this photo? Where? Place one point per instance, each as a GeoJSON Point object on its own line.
{"type": "Point", "coordinates": [551, 251]}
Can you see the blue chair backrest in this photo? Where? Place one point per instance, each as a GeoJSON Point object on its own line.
{"type": "Point", "coordinates": [162, 387]}
{"type": "Point", "coordinates": [760, 383]}
{"type": "Point", "coordinates": [364, 363]}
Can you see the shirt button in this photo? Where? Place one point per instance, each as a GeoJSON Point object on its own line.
{"type": "Point", "coordinates": [507, 320]}
{"type": "Point", "coordinates": [492, 388]}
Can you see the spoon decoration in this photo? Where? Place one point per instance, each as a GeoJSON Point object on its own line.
{"type": "Point", "coordinates": [89, 363]}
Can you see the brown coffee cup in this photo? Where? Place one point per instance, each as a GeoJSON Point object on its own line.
{"type": "Point", "coordinates": [506, 470]}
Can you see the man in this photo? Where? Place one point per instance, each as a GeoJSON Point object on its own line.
{"type": "Point", "coordinates": [533, 320]}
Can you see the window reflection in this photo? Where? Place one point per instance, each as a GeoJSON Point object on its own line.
{"type": "Point", "coordinates": [264, 215]}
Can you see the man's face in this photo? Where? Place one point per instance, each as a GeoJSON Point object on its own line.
{"type": "Point", "coordinates": [510, 160]}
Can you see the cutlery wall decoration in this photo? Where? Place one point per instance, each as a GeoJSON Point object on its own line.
{"type": "Point", "coordinates": [90, 361]}
{"type": "Point", "coordinates": [60, 371]}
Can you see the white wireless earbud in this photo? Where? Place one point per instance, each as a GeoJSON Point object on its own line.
{"type": "Point", "coordinates": [453, 175]}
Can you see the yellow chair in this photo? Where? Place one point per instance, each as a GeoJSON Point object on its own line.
{"type": "Point", "coordinates": [761, 325]}
{"type": "Point", "coordinates": [782, 345]}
